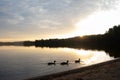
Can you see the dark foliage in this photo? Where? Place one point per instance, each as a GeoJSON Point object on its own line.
{"type": "Point", "coordinates": [28, 43]}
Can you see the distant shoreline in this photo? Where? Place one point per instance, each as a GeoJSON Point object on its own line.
{"type": "Point", "coordinates": [102, 70]}
{"type": "Point", "coordinates": [20, 43]}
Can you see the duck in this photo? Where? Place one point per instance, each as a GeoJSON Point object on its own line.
{"type": "Point", "coordinates": [77, 61]}
{"type": "Point", "coordinates": [52, 63]}
{"type": "Point", "coordinates": [65, 63]}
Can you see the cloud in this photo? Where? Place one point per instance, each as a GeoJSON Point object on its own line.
{"type": "Point", "coordinates": [108, 4]}
{"type": "Point", "coordinates": [40, 17]}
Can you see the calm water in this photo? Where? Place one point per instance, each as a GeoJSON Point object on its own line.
{"type": "Point", "coordinates": [18, 63]}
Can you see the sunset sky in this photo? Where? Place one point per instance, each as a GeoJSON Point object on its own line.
{"type": "Point", "coordinates": [37, 19]}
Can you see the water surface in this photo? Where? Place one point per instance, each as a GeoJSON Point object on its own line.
{"type": "Point", "coordinates": [18, 63]}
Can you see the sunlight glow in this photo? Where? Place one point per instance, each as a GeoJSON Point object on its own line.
{"type": "Point", "coordinates": [98, 23]}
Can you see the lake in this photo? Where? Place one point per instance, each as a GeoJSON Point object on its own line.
{"type": "Point", "coordinates": [18, 62]}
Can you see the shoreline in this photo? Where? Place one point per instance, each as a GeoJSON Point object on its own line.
{"type": "Point", "coordinates": [109, 70]}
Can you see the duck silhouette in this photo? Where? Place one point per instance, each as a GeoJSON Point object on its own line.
{"type": "Point", "coordinates": [52, 63]}
{"type": "Point", "coordinates": [65, 63]}
{"type": "Point", "coordinates": [77, 61]}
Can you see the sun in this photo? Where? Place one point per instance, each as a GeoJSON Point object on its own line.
{"type": "Point", "coordinates": [98, 22]}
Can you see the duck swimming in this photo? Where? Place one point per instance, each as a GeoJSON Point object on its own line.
{"type": "Point", "coordinates": [52, 63]}
{"type": "Point", "coordinates": [65, 63]}
{"type": "Point", "coordinates": [77, 61]}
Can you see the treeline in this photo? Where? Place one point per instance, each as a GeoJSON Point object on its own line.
{"type": "Point", "coordinates": [110, 39]}
{"type": "Point", "coordinates": [20, 43]}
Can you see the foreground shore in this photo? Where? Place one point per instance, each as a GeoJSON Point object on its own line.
{"type": "Point", "coordinates": [109, 70]}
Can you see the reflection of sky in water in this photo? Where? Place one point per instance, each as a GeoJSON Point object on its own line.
{"type": "Point", "coordinates": [89, 56]}
{"type": "Point", "coordinates": [23, 62]}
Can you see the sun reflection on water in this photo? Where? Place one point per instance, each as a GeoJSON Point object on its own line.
{"type": "Point", "coordinates": [90, 56]}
